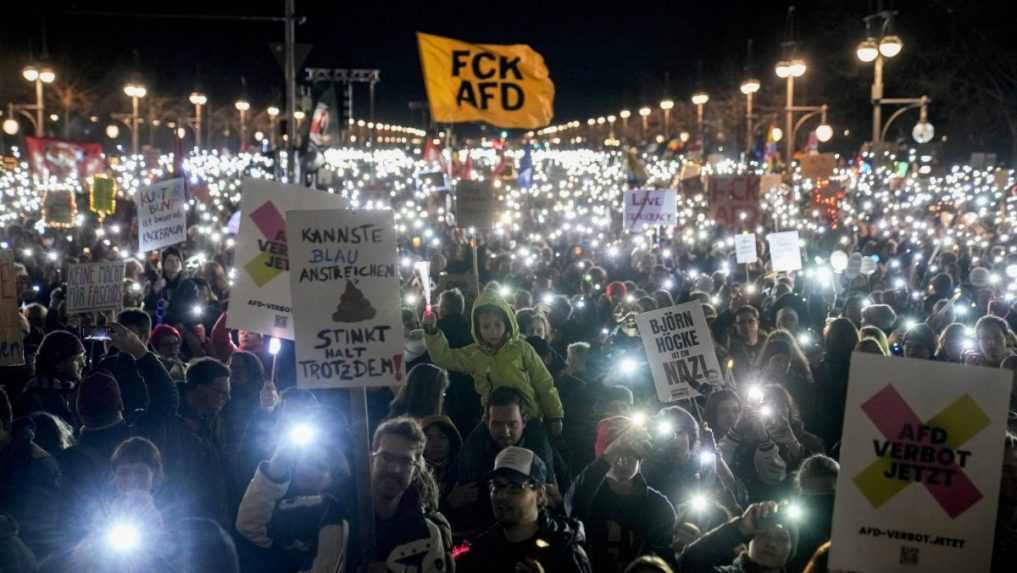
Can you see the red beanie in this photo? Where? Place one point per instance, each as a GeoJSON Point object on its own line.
{"type": "Point", "coordinates": [161, 331]}
{"type": "Point", "coordinates": [608, 430]}
{"type": "Point", "coordinates": [616, 291]}
{"type": "Point", "coordinates": [99, 399]}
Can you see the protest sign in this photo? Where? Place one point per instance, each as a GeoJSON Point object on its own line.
{"type": "Point", "coordinates": [817, 165]}
{"type": "Point", "coordinates": [12, 349]}
{"type": "Point", "coordinates": [476, 204]}
{"type": "Point", "coordinates": [785, 251]}
{"type": "Point", "coordinates": [734, 200]}
{"type": "Point", "coordinates": [745, 248]}
{"type": "Point", "coordinates": [162, 215]}
{"type": "Point", "coordinates": [346, 309]}
{"type": "Point", "coordinates": [920, 466]}
{"type": "Point", "coordinates": [680, 350]}
{"type": "Point", "coordinates": [93, 287]}
{"type": "Point", "coordinates": [260, 299]}
{"type": "Point", "coordinates": [650, 208]}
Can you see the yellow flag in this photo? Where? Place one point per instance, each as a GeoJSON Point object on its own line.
{"type": "Point", "coordinates": [506, 86]}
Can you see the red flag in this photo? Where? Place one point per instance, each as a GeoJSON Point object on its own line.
{"type": "Point", "coordinates": [432, 154]}
{"type": "Point", "coordinates": [64, 160]}
{"type": "Point", "coordinates": [463, 169]}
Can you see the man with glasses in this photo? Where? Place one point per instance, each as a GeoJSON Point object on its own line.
{"type": "Point", "coordinates": [746, 343]}
{"type": "Point", "coordinates": [527, 538]}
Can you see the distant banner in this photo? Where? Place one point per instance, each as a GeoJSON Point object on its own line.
{"type": "Point", "coordinates": [260, 300]}
{"type": "Point", "coordinates": [162, 215]}
{"type": "Point", "coordinates": [734, 200]}
{"type": "Point", "coordinates": [12, 348]}
{"type": "Point", "coordinates": [680, 351]}
{"type": "Point", "coordinates": [53, 159]}
{"type": "Point", "coordinates": [476, 204]}
{"type": "Point", "coordinates": [650, 208]}
{"type": "Point", "coordinates": [93, 287]}
{"type": "Point", "coordinates": [919, 480]}
{"type": "Point", "coordinates": [344, 279]}
{"type": "Point", "coordinates": [504, 85]}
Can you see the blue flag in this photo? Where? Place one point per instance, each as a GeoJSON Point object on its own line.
{"type": "Point", "coordinates": [525, 179]}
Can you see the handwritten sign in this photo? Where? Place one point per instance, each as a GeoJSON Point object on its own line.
{"type": "Point", "coordinates": [817, 165]}
{"type": "Point", "coordinates": [95, 287]}
{"type": "Point", "coordinates": [920, 467]}
{"type": "Point", "coordinates": [745, 248]}
{"type": "Point", "coordinates": [734, 200]}
{"type": "Point", "coordinates": [260, 299]}
{"type": "Point", "coordinates": [680, 351]}
{"type": "Point", "coordinates": [344, 279]}
{"type": "Point", "coordinates": [12, 349]}
{"type": "Point", "coordinates": [785, 251]}
{"type": "Point", "coordinates": [650, 208]}
{"type": "Point", "coordinates": [476, 204]}
{"type": "Point", "coordinates": [162, 215]}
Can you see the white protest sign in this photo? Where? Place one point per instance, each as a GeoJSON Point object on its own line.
{"type": "Point", "coordinates": [650, 208]}
{"type": "Point", "coordinates": [745, 248]}
{"type": "Point", "coordinates": [785, 251]}
{"type": "Point", "coordinates": [920, 466]}
{"type": "Point", "coordinates": [162, 215]}
{"type": "Point", "coordinates": [260, 299]}
{"type": "Point", "coordinates": [680, 350]}
{"type": "Point", "coordinates": [12, 348]}
{"type": "Point", "coordinates": [346, 310]}
{"type": "Point", "coordinates": [95, 287]}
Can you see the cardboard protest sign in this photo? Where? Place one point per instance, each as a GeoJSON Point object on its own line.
{"type": "Point", "coordinates": [817, 165]}
{"type": "Point", "coordinates": [745, 248]}
{"type": "Point", "coordinates": [260, 299]}
{"type": "Point", "coordinates": [920, 466]}
{"type": "Point", "coordinates": [476, 204]}
{"type": "Point", "coordinates": [162, 215]}
{"type": "Point", "coordinates": [93, 287]}
{"type": "Point", "coordinates": [768, 181]}
{"type": "Point", "coordinates": [650, 208]}
{"type": "Point", "coordinates": [785, 251]}
{"type": "Point", "coordinates": [12, 348]}
{"type": "Point", "coordinates": [734, 200]}
{"type": "Point", "coordinates": [346, 308]}
{"type": "Point", "coordinates": [680, 350]}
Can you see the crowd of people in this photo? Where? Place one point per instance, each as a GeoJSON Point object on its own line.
{"type": "Point", "coordinates": [528, 435]}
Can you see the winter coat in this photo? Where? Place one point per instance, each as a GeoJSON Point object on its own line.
{"type": "Point", "coordinates": [644, 521]}
{"type": "Point", "coordinates": [462, 402]}
{"type": "Point", "coordinates": [712, 553]}
{"type": "Point", "coordinates": [515, 364]}
{"type": "Point", "coordinates": [47, 394]}
{"type": "Point", "coordinates": [562, 550]}
{"type": "Point", "coordinates": [29, 488]}
{"type": "Point", "coordinates": [411, 540]}
{"type": "Point", "coordinates": [322, 549]}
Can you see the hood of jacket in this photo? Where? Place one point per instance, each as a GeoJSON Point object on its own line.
{"type": "Point", "coordinates": [491, 298]}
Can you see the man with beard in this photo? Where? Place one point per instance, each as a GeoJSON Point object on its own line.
{"type": "Point", "coordinates": [527, 537]}
{"type": "Point", "coordinates": [411, 533]}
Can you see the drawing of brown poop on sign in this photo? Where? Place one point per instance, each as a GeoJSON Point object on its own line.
{"type": "Point", "coordinates": [353, 306]}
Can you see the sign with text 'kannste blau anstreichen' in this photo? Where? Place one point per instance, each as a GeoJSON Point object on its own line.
{"type": "Point", "coordinates": [162, 215]}
{"type": "Point", "coordinates": [650, 208]}
{"type": "Point", "coordinates": [920, 466]}
{"type": "Point", "coordinates": [260, 299]}
{"type": "Point", "coordinates": [680, 350]}
{"type": "Point", "coordinates": [12, 347]}
{"type": "Point", "coordinates": [344, 277]}
{"type": "Point", "coordinates": [95, 287]}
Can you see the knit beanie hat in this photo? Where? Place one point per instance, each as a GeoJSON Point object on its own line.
{"type": "Point", "coordinates": [99, 399]}
{"type": "Point", "coordinates": [56, 347]}
{"type": "Point", "coordinates": [163, 330]}
{"type": "Point", "coordinates": [616, 292]}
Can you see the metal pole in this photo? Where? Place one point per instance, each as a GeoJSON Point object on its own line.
{"type": "Point", "coordinates": [702, 132]}
{"type": "Point", "coordinates": [39, 126]}
{"type": "Point", "coordinates": [788, 114]}
{"type": "Point", "coordinates": [877, 96]}
{"type": "Point", "coordinates": [667, 124]}
{"type": "Point", "coordinates": [371, 113]}
{"type": "Point", "coordinates": [243, 130]}
{"type": "Point", "coordinates": [197, 125]}
{"type": "Point", "coordinates": [134, 125]}
{"type": "Point", "coordinates": [291, 86]}
{"type": "Point", "coordinates": [748, 124]}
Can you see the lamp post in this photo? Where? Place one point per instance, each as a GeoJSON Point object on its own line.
{"type": "Point", "coordinates": [242, 106]}
{"type": "Point", "coordinates": [135, 91]}
{"type": "Point", "coordinates": [644, 112]}
{"type": "Point", "coordinates": [699, 100]}
{"type": "Point", "coordinates": [789, 70]}
{"type": "Point", "coordinates": [273, 116]}
{"type": "Point", "coordinates": [39, 76]}
{"type": "Point", "coordinates": [198, 99]}
{"type": "Point", "coordinates": [869, 50]}
{"type": "Point", "coordinates": [667, 105]}
{"type": "Point", "coordinates": [749, 87]}
{"type": "Point", "coordinates": [625, 115]}
{"type": "Point", "coordinates": [610, 121]}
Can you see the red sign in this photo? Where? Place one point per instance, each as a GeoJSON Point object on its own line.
{"type": "Point", "coordinates": [64, 160]}
{"type": "Point", "coordinates": [732, 197]}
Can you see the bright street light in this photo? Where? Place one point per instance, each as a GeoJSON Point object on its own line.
{"type": "Point", "coordinates": [11, 126]}
{"type": "Point", "coordinates": [700, 98]}
{"type": "Point", "coordinates": [625, 114]}
{"type": "Point", "coordinates": [30, 73]}
{"type": "Point", "coordinates": [47, 75]}
{"type": "Point", "coordinates": [644, 111]}
{"type": "Point", "coordinates": [783, 69]}
{"type": "Point", "coordinates": [867, 51]}
{"type": "Point", "coordinates": [777, 134]}
{"type": "Point", "coordinates": [272, 111]}
{"type": "Point", "coordinates": [797, 68]}
{"type": "Point", "coordinates": [112, 131]}
{"type": "Point", "coordinates": [135, 90]}
{"type": "Point", "coordinates": [242, 105]}
{"type": "Point", "coordinates": [890, 46]}
{"type": "Point", "coordinates": [750, 86]}
{"type": "Point", "coordinates": [667, 104]}
{"type": "Point", "coordinates": [824, 132]}
{"type": "Point", "coordinates": [198, 98]}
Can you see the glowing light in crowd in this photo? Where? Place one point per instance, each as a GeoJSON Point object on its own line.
{"type": "Point", "coordinates": [123, 537]}
{"type": "Point", "coordinates": [639, 418]}
{"type": "Point", "coordinates": [628, 365]}
{"type": "Point", "coordinates": [755, 393]}
{"type": "Point", "coordinates": [699, 503]}
{"type": "Point", "coordinates": [274, 345]}
{"type": "Point", "coordinates": [302, 434]}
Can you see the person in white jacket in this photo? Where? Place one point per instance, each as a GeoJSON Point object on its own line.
{"type": "Point", "coordinates": [290, 507]}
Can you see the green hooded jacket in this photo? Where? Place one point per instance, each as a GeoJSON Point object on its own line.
{"type": "Point", "coordinates": [515, 364]}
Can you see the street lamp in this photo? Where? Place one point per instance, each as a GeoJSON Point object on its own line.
{"type": "Point", "coordinates": [699, 99]}
{"type": "Point", "coordinates": [198, 99]}
{"type": "Point", "coordinates": [869, 50]}
{"type": "Point", "coordinates": [135, 91]}
{"type": "Point", "coordinates": [749, 87]}
{"type": "Point", "coordinates": [242, 106]}
{"type": "Point", "coordinates": [667, 105]}
{"type": "Point", "coordinates": [625, 115]}
{"type": "Point", "coordinates": [610, 121]}
{"type": "Point", "coordinates": [39, 76]}
{"type": "Point", "coordinates": [644, 112]}
{"type": "Point", "coordinates": [789, 70]}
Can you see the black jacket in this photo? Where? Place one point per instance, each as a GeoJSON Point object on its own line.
{"type": "Point", "coordinates": [462, 404]}
{"type": "Point", "coordinates": [492, 553]}
{"type": "Point", "coordinates": [645, 521]}
{"type": "Point", "coordinates": [714, 552]}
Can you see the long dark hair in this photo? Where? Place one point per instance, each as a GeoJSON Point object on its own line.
{"type": "Point", "coordinates": [841, 339]}
{"type": "Point", "coordinates": [783, 342]}
{"type": "Point", "coordinates": [422, 395]}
